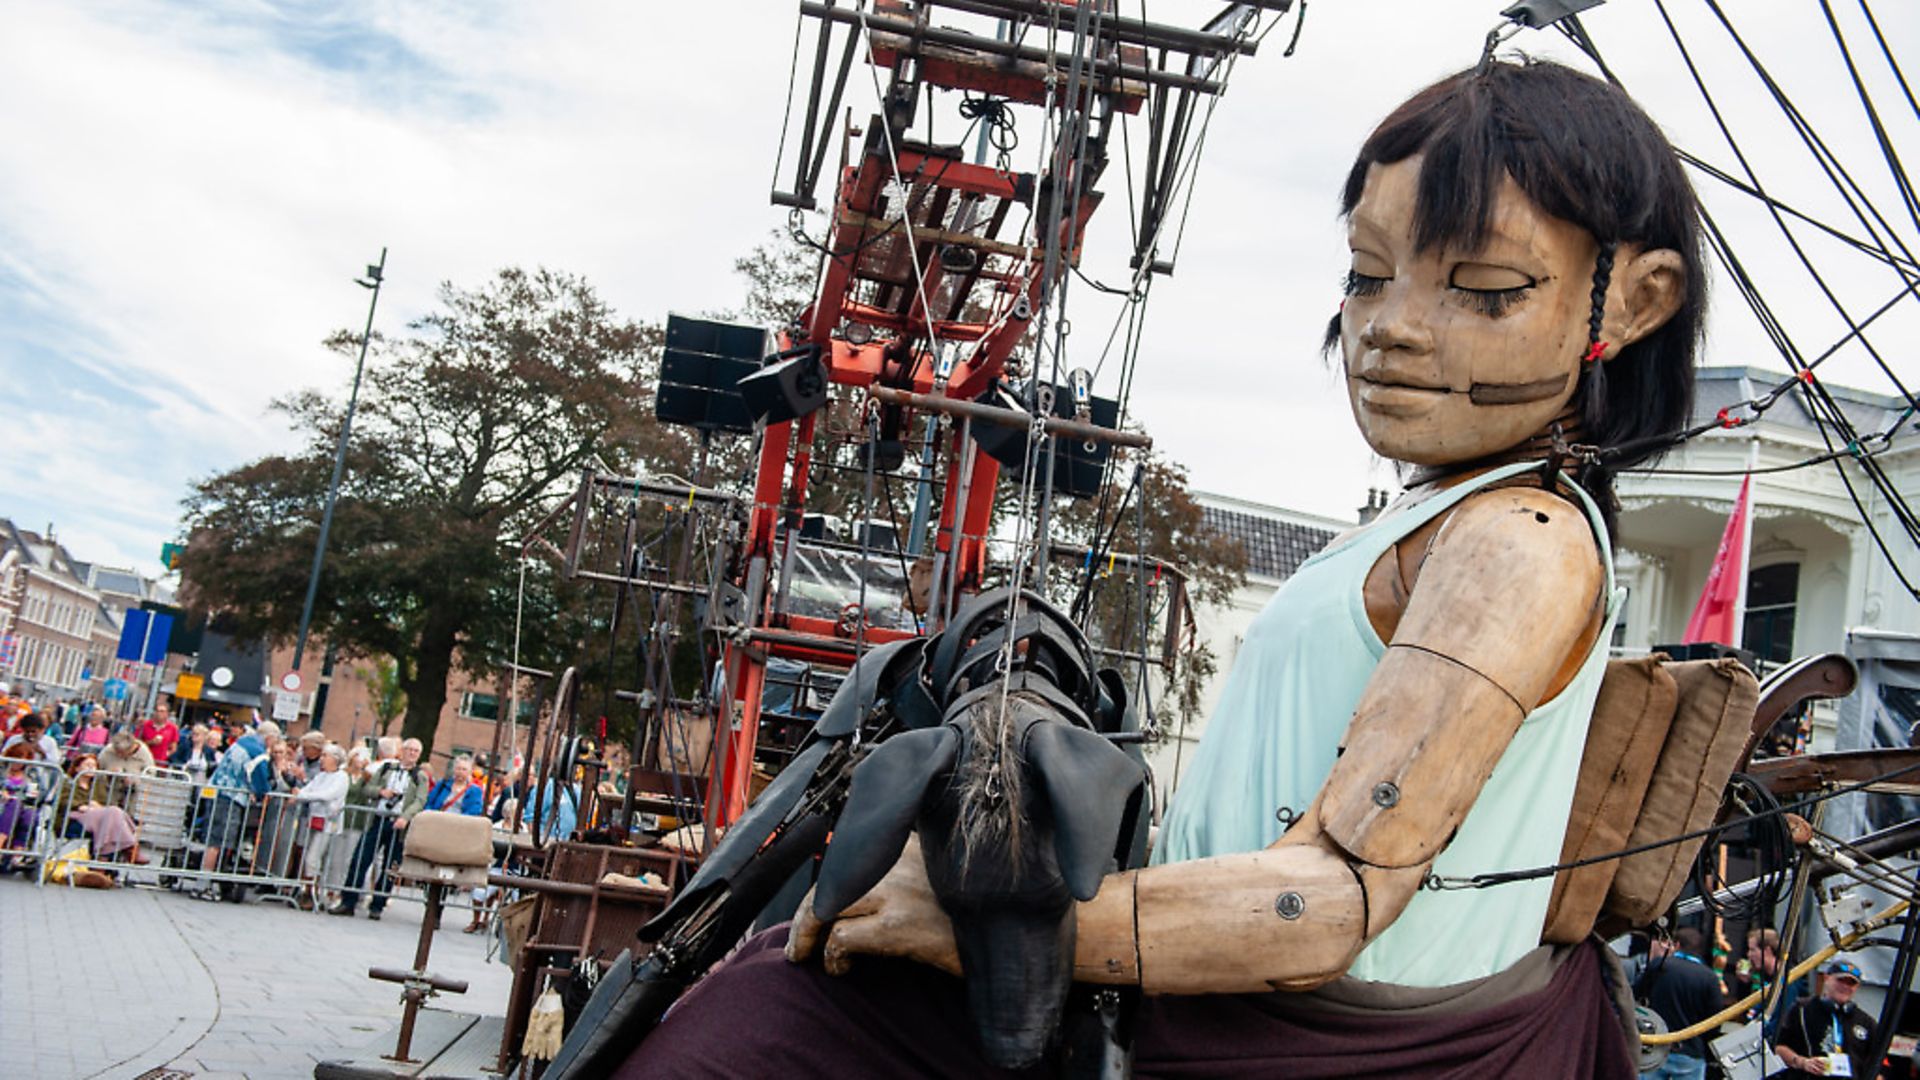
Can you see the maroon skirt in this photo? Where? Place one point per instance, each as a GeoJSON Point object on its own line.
{"type": "Point", "coordinates": [757, 1015]}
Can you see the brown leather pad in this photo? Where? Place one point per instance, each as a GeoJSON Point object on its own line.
{"type": "Point", "coordinates": [1631, 719]}
{"type": "Point", "coordinates": [435, 836]}
{"type": "Point", "coordinates": [1716, 705]}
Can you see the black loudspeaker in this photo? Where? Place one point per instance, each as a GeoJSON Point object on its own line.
{"type": "Point", "coordinates": [700, 370]}
{"type": "Point", "coordinates": [794, 385]}
{"type": "Point", "coordinates": [1078, 465]}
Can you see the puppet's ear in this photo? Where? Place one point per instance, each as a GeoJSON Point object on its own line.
{"type": "Point", "coordinates": [1647, 290]}
{"type": "Point", "coordinates": [882, 803]}
{"type": "Point", "coordinates": [1091, 785]}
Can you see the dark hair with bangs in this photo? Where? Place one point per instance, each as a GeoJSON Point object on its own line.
{"type": "Point", "coordinates": [1585, 153]}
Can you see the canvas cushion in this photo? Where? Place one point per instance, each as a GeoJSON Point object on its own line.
{"type": "Point", "coordinates": [1631, 720]}
{"type": "Point", "coordinates": [1717, 699]}
{"type": "Point", "coordinates": [435, 836]}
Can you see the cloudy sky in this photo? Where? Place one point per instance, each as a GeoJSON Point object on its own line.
{"type": "Point", "coordinates": [188, 189]}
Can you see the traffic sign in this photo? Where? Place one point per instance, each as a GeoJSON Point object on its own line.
{"type": "Point", "coordinates": [188, 686]}
{"type": "Point", "coordinates": [286, 707]}
{"type": "Point", "coordinates": [143, 636]}
{"type": "Point", "coordinates": [290, 682]}
{"type": "Point", "coordinates": [114, 690]}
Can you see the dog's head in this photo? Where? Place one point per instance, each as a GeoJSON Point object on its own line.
{"type": "Point", "coordinates": [1021, 810]}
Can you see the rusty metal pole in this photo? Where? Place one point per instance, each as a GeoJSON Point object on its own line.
{"type": "Point", "coordinates": [1012, 418]}
{"type": "Point", "coordinates": [429, 922]}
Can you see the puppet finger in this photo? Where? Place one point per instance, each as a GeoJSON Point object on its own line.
{"type": "Point", "coordinates": [837, 955]}
{"type": "Point", "coordinates": [804, 936]}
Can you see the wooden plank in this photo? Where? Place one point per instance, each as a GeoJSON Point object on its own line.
{"type": "Point", "coordinates": [1808, 773]}
{"type": "Point", "coordinates": [473, 1056]}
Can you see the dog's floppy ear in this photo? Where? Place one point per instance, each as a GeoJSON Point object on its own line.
{"type": "Point", "coordinates": [1091, 785]}
{"type": "Point", "coordinates": [882, 804]}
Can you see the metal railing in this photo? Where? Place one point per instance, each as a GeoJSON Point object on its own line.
{"type": "Point", "coordinates": [161, 828]}
{"type": "Point", "coordinates": [28, 792]}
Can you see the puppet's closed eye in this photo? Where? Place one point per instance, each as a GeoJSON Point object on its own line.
{"type": "Point", "coordinates": [1359, 284]}
{"type": "Point", "coordinates": [1490, 290]}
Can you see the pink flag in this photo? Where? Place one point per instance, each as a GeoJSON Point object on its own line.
{"type": "Point", "coordinates": [1714, 616]}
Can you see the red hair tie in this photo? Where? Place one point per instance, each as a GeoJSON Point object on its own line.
{"type": "Point", "coordinates": [1594, 352]}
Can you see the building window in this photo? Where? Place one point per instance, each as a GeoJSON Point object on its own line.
{"type": "Point", "coordinates": [1618, 639]}
{"type": "Point", "coordinates": [1771, 595]}
{"type": "Point", "coordinates": [489, 707]}
{"type": "Point", "coordinates": [480, 706]}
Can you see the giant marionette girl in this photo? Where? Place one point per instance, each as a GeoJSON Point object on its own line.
{"type": "Point", "coordinates": [1524, 287]}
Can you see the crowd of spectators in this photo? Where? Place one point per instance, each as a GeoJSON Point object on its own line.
{"type": "Point", "coordinates": [258, 805]}
{"type": "Point", "coordinates": [312, 821]}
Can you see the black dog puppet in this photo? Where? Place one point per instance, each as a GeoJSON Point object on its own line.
{"type": "Point", "coordinates": [1021, 807]}
{"type": "Point", "coordinates": [1003, 753]}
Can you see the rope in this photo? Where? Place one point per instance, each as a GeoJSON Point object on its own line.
{"type": "Point", "coordinates": [893, 163]}
{"type": "Point", "coordinates": [513, 686]}
{"type": "Point", "coordinates": [1441, 882]}
{"type": "Point", "coordinates": [1819, 401]}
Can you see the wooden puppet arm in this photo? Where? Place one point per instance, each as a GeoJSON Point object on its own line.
{"type": "Point", "coordinates": [1513, 584]}
{"type": "Point", "coordinates": [1287, 918]}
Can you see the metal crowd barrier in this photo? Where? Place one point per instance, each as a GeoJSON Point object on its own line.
{"type": "Point", "coordinates": [266, 844]}
{"type": "Point", "coordinates": [28, 793]}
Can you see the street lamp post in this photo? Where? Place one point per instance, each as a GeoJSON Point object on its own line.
{"type": "Point", "coordinates": [376, 275]}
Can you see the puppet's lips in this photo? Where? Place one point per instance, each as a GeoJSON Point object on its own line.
{"type": "Point", "coordinates": [1396, 397]}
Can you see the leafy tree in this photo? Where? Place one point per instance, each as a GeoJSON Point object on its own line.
{"type": "Point", "coordinates": [469, 428]}
{"type": "Point", "coordinates": [381, 676]}
{"type": "Point", "coordinates": [1152, 511]}
{"type": "Point", "coordinates": [780, 277]}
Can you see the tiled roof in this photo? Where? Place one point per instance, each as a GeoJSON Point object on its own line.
{"type": "Point", "coordinates": [1275, 546]}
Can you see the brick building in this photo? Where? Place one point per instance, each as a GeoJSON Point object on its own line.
{"type": "Point", "coordinates": [474, 711]}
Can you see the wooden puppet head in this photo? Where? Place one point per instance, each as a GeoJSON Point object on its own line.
{"type": "Point", "coordinates": [1525, 250]}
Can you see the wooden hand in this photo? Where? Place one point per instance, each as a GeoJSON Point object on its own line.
{"type": "Point", "coordinates": [900, 917]}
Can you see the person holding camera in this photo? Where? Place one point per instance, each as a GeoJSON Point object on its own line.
{"type": "Point", "coordinates": [400, 791]}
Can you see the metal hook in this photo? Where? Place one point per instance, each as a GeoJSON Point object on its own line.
{"type": "Point", "coordinates": [1501, 32]}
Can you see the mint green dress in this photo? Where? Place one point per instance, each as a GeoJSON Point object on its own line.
{"type": "Point", "coordinates": [1272, 740]}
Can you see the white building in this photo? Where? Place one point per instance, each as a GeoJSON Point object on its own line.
{"type": "Point", "coordinates": [1815, 569]}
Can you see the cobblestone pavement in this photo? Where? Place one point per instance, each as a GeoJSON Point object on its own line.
{"type": "Point", "coordinates": [111, 984]}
